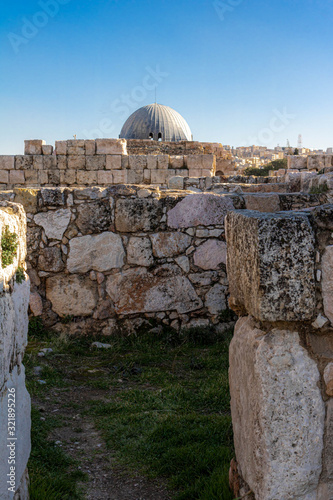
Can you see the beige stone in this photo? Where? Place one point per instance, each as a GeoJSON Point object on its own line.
{"type": "Point", "coordinates": [104, 177]}
{"type": "Point", "coordinates": [163, 162]}
{"type": "Point", "coordinates": [177, 162]}
{"type": "Point", "coordinates": [138, 291]}
{"type": "Point", "coordinates": [141, 214]}
{"type": "Point", "coordinates": [16, 177]}
{"type": "Point", "coordinates": [47, 150]}
{"type": "Point", "coordinates": [147, 176]}
{"type": "Point", "coordinates": [62, 162]}
{"type": "Point", "coordinates": [50, 260]}
{"type": "Point", "coordinates": [215, 299]}
{"type": "Point", "coordinates": [137, 162]}
{"type": "Point", "coordinates": [113, 162]}
{"type": "Point", "coordinates": [135, 176]}
{"type": "Point", "coordinates": [71, 295]}
{"type": "Point", "coordinates": [90, 147]}
{"type": "Point", "coordinates": [4, 177]}
{"type": "Point", "coordinates": [61, 147]}
{"type": "Point", "coordinates": [95, 162]}
{"type": "Point", "coordinates": [328, 378]}
{"type": "Point", "coordinates": [111, 147]}
{"type": "Point", "coordinates": [119, 176]}
{"type": "Point", "coordinates": [76, 162]}
{"type": "Point", "coordinates": [31, 177]}
{"type": "Point", "coordinates": [101, 252]}
{"type": "Point", "coordinates": [277, 413]}
{"type": "Point", "coordinates": [33, 147]}
{"type": "Point", "coordinates": [68, 177]}
{"type": "Point", "coordinates": [139, 252]}
{"type": "Point", "coordinates": [152, 162]}
{"type": "Point", "coordinates": [50, 162]}
{"type": "Point", "coordinates": [327, 282]}
{"type": "Point", "coordinates": [159, 176]}
{"type": "Point", "coordinates": [54, 223]}
{"type": "Point", "coordinates": [7, 162]}
{"type": "Point", "coordinates": [43, 177]}
{"type": "Point", "coordinates": [89, 178]}
{"type": "Point", "coordinates": [24, 162]}
{"type": "Point", "coordinates": [176, 182]}
{"type": "Point", "coordinates": [211, 254]}
{"type": "Point", "coordinates": [170, 244]}
{"type": "Point", "coordinates": [28, 198]}
{"type": "Point", "coordinates": [36, 304]}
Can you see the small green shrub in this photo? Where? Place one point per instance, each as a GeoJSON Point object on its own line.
{"type": "Point", "coordinates": [319, 189]}
{"type": "Point", "coordinates": [9, 246]}
{"type": "Point", "coordinates": [20, 275]}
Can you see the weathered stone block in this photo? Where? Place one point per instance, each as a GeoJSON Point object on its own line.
{"type": "Point", "coordinates": [62, 162]}
{"type": "Point", "coordinates": [52, 197]}
{"type": "Point", "coordinates": [47, 150]}
{"type": "Point", "coordinates": [138, 215]}
{"type": "Point", "coordinates": [277, 413]}
{"type": "Point", "coordinates": [75, 147]}
{"type": "Point", "coordinates": [211, 254]}
{"type": "Point", "coordinates": [94, 217]}
{"type": "Point", "coordinates": [50, 162]}
{"type": "Point", "coordinates": [111, 147]}
{"type": "Point", "coordinates": [327, 282]}
{"type": "Point", "coordinates": [159, 176]}
{"type": "Point", "coordinates": [90, 147]}
{"type": "Point", "coordinates": [95, 162]}
{"type": "Point", "coordinates": [170, 244]}
{"type": "Point", "coordinates": [163, 161]}
{"type": "Point", "coordinates": [24, 162]}
{"type": "Point", "coordinates": [137, 162]}
{"type": "Point", "coordinates": [61, 147]}
{"type": "Point", "coordinates": [76, 162]}
{"type": "Point", "coordinates": [152, 162]}
{"type": "Point", "coordinates": [102, 252]}
{"type": "Point", "coordinates": [86, 178]}
{"type": "Point", "coordinates": [68, 177]}
{"type": "Point", "coordinates": [38, 163]}
{"type": "Point", "coordinates": [54, 223]}
{"type": "Point", "coordinates": [139, 252]}
{"type": "Point", "coordinates": [50, 260]}
{"type": "Point", "coordinates": [31, 177]}
{"type": "Point", "coordinates": [135, 176]}
{"type": "Point", "coordinates": [43, 177]}
{"type": "Point", "coordinates": [4, 176]}
{"type": "Point", "coordinates": [262, 202]}
{"type": "Point", "coordinates": [177, 162]}
{"type": "Point", "coordinates": [176, 182]}
{"type": "Point", "coordinates": [72, 295]}
{"type": "Point", "coordinates": [119, 176]}
{"type": "Point", "coordinates": [215, 299]}
{"type": "Point", "coordinates": [16, 177]}
{"type": "Point", "coordinates": [147, 176]}
{"type": "Point", "coordinates": [200, 210]}
{"type": "Point", "coordinates": [138, 291]}
{"type": "Point", "coordinates": [113, 162]}
{"type": "Point", "coordinates": [271, 265]}
{"type": "Point", "coordinates": [54, 177]}
{"type": "Point", "coordinates": [33, 147]}
{"type": "Point", "coordinates": [105, 177]}
{"type": "Point", "coordinates": [7, 162]}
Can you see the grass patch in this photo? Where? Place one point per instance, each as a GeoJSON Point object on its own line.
{"type": "Point", "coordinates": [9, 246]}
{"type": "Point", "coordinates": [319, 189]}
{"type": "Point", "coordinates": [53, 475]}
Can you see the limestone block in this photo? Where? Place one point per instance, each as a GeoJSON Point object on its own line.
{"type": "Point", "coordinates": [28, 198]}
{"type": "Point", "coordinates": [61, 147]}
{"type": "Point", "coordinates": [47, 150]}
{"type": "Point", "coordinates": [194, 162]}
{"type": "Point", "coordinates": [38, 162]}
{"type": "Point", "coordinates": [177, 162]}
{"type": "Point", "coordinates": [7, 162]}
{"type": "Point", "coordinates": [204, 279]}
{"type": "Point", "coordinates": [104, 177]}
{"type": "Point", "coordinates": [328, 378]}
{"type": "Point", "coordinates": [50, 260]}
{"type": "Point", "coordinates": [124, 162]}
{"type": "Point", "coordinates": [50, 162]}
{"type": "Point", "coordinates": [271, 265]}
{"type": "Point", "coordinates": [76, 162]}
{"type": "Point", "coordinates": [138, 214]}
{"type": "Point", "coordinates": [119, 176]}
{"type": "Point", "coordinates": [43, 177]}
{"type": "Point", "coordinates": [147, 176]}
{"type": "Point", "coordinates": [195, 173]}
{"type": "Point", "coordinates": [33, 147]}
{"type": "Point", "coordinates": [137, 162]}
{"type": "Point", "coordinates": [89, 178]}
{"type": "Point", "coordinates": [325, 490]}
{"type": "Point", "coordinates": [53, 197]}
{"type": "Point", "coordinates": [113, 162]}
{"type": "Point", "coordinates": [36, 304]}
{"type": "Point", "coordinates": [135, 176]}
{"type": "Point", "coordinates": [163, 162]}
{"type": "Point", "coordinates": [207, 173]}
{"type": "Point", "coordinates": [95, 162]}
{"type": "Point", "coordinates": [4, 176]}
{"type": "Point", "coordinates": [152, 162]}
{"type": "Point", "coordinates": [262, 202]}
{"type": "Point", "coordinates": [215, 300]}
{"type": "Point", "coordinates": [94, 217]}
{"type": "Point", "coordinates": [159, 176]}
{"type": "Point", "coordinates": [209, 163]}
{"type": "Point", "coordinates": [184, 263]}
{"type": "Point", "coordinates": [111, 147]}
{"type": "Point", "coordinates": [277, 413]}
{"type": "Point", "coordinates": [54, 223]}
{"type": "Point", "coordinates": [139, 252]}
{"type": "Point", "coordinates": [75, 147]}
{"type": "Point", "coordinates": [16, 177]}
{"type": "Point", "coordinates": [327, 282]}
{"type": "Point", "coordinates": [54, 177]}
{"type": "Point", "coordinates": [138, 291]}
{"type": "Point", "coordinates": [24, 162]}
{"type": "Point", "coordinates": [72, 295]}
{"type": "Point", "coordinates": [31, 177]}
{"type": "Point", "coordinates": [101, 252]}
{"type": "Point", "coordinates": [170, 244]}
{"type": "Point", "coordinates": [199, 210]}
{"type": "Point", "coordinates": [62, 162]}
{"type": "Point", "coordinates": [23, 428]}
{"type": "Point", "coordinates": [176, 182]}
{"type": "Point", "coordinates": [90, 147]}
{"type": "Point", "coordinates": [68, 177]}
{"type": "Point", "coordinates": [211, 254]}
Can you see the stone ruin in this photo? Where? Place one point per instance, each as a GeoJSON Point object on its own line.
{"type": "Point", "coordinates": [121, 233]}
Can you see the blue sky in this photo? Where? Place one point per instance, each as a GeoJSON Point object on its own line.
{"type": "Point", "coordinates": [239, 71]}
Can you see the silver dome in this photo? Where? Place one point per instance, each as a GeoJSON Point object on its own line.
{"type": "Point", "coordinates": [157, 122]}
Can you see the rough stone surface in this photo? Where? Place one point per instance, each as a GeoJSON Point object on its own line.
{"type": "Point", "coordinates": [262, 202]}
{"type": "Point", "coordinates": [139, 252]}
{"type": "Point", "coordinates": [94, 217]}
{"type": "Point", "coordinates": [50, 260]}
{"type": "Point", "coordinates": [101, 252]}
{"type": "Point", "coordinates": [327, 282]}
{"type": "Point", "coordinates": [138, 215]}
{"type": "Point", "coordinates": [211, 254]}
{"type": "Point", "coordinates": [138, 291]}
{"type": "Point", "coordinates": [325, 490]}
{"type": "Point", "coordinates": [199, 210]}
{"type": "Point", "coordinates": [215, 299]}
{"type": "Point", "coordinates": [36, 304]}
{"type": "Point", "coordinates": [328, 378]}
{"type": "Point", "coordinates": [54, 223]}
{"type": "Point", "coordinates": [271, 265]}
{"type": "Point", "coordinates": [71, 295]}
{"type": "Point", "coordinates": [274, 397]}
{"type": "Point", "coordinates": [170, 244]}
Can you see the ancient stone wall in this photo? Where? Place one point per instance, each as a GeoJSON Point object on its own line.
{"type": "Point", "coordinates": [281, 356]}
{"type": "Point", "coordinates": [14, 398]}
{"type": "Point", "coordinates": [310, 162]}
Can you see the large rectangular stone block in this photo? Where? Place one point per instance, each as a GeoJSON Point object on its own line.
{"type": "Point", "coordinates": [137, 162]}
{"type": "Point", "coordinates": [95, 162]}
{"type": "Point", "coordinates": [33, 147]}
{"type": "Point", "coordinates": [7, 162]}
{"type": "Point", "coordinates": [16, 177]}
{"type": "Point", "coordinates": [24, 162]}
{"type": "Point", "coordinates": [61, 147]}
{"type": "Point", "coordinates": [89, 178]}
{"type": "Point", "coordinates": [113, 162]}
{"type": "Point", "coordinates": [271, 264]}
{"type": "Point", "coordinates": [76, 162]}
{"type": "Point", "coordinates": [111, 147]}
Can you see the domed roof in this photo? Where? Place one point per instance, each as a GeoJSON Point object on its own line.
{"type": "Point", "coordinates": [156, 121]}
